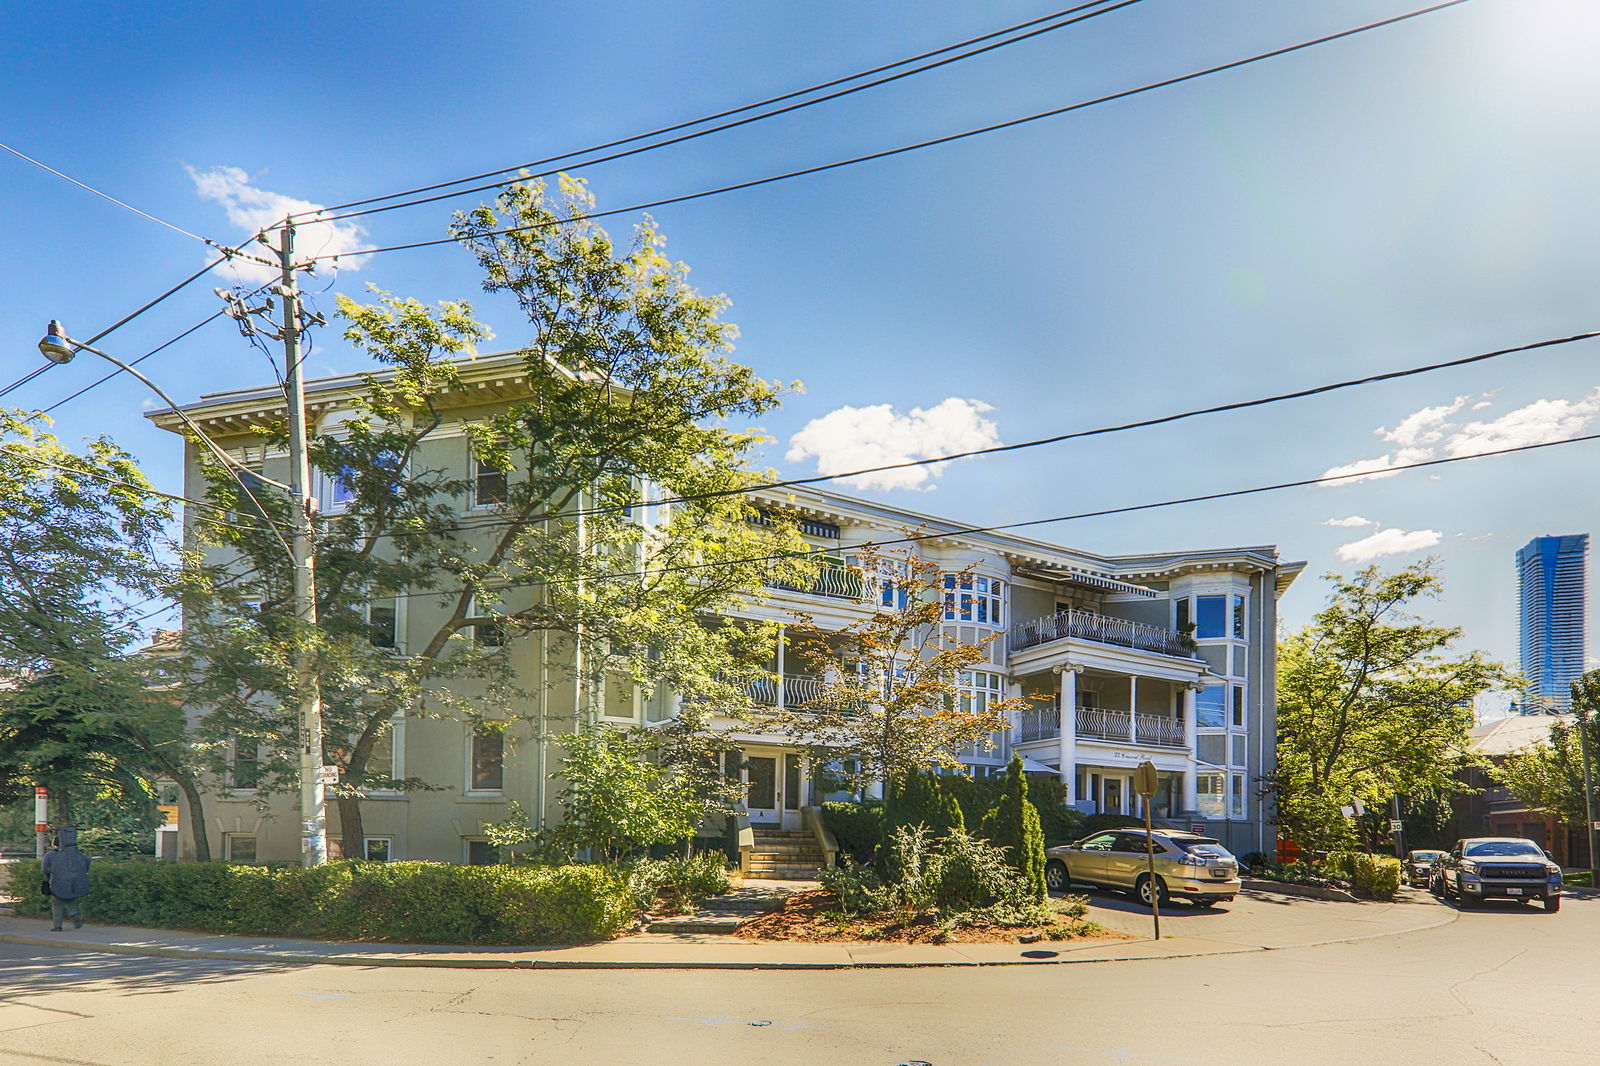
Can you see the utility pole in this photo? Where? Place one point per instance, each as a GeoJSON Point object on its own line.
{"type": "Point", "coordinates": [313, 791]}
{"type": "Point", "coordinates": [1588, 791]}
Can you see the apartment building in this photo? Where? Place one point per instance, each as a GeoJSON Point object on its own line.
{"type": "Point", "coordinates": [1164, 656]}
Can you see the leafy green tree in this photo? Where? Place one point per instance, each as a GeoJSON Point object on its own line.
{"type": "Point", "coordinates": [1549, 777]}
{"type": "Point", "coordinates": [1373, 702]}
{"type": "Point", "coordinates": [81, 534]}
{"type": "Point", "coordinates": [891, 700]}
{"type": "Point", "coordinates": [1014, 826]}
{"type": "Point", "coordinates": [626, 392]}
{"type": "Point", "coordinates": [917, 799]}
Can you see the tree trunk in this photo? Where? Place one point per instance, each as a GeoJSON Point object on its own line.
{"type": "Point", "coordinates": [63, 804]}
{"type": "Point", "coordinates": [351, 831]}
{"type": "Point", "coordinates": [197, 818]}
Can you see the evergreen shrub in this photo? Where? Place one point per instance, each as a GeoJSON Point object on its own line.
{"type": "Point", "coordinates": [1014, 826]}
{"type": "Point", "coordinates": [858, 827]}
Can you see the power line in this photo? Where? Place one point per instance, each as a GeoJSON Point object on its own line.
{"type": "Point", "coordinates": [903, 149]}
{"type": "Point", "coordinates": [113, 199]}
{"type": "Point", "coordinates": [741, 122]}
{"type": "Point", "coordinates": [1235, 405]}
{"type": "Point", "coordinates": [733, 111]}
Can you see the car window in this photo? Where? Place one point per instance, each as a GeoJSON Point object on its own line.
{"type": "Point", "coordinates": [1102, 842]}
{"type": "Point", "coordinates": [1425, 856]}
{"type": "Point", "coordinates": [1505, 849]}
{"type": "Point", "coordinates": [1135, 842]}
{"type": "Point", "coordinates": [1207, 848]}
{"type": "Point", "coordinates": [1190, 843]}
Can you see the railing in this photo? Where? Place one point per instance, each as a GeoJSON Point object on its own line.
{"type": "Point", "coordinates": [1044, 723]}
{"type": "Point", "coordinates": [798, 690]}
{"type": "Point", "coordinates": [839, 582]}
{"type": "Point", "coordinates": [1085, 625]}
{"type": "Point", "coordinates": [1104, 724]}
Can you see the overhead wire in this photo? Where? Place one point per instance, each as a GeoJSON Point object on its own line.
{"type": "Point", "coordinates": [934, 142]}
{"type": "Point", "coordinates": [1103, 10]}
{"type": "Point", "coordinates": [795, 94]}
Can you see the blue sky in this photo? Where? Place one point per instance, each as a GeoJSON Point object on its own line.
{"type": "Point", "coordinates": [1411, 195]}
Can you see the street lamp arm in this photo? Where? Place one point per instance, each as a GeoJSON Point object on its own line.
{"type": "Point", "coordinates": [59, 348]}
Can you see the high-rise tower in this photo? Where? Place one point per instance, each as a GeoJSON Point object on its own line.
{"type": "Point", "coordinates": [1554, 609]}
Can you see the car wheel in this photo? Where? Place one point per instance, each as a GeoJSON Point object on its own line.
{"type": "Point", "coordinates": [1436, 886]}
{"type": "Point", "coordinates": [1463, 900]}
{"type": "Point", "coordinates": [1552, 904]}
{"type": "Point", "coordinates": [1056, 878]}
{"type": "Point", "coordinates": [1143, 892]}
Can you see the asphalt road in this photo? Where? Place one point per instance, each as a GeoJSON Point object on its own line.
{"type": "Point", "coordinates": [1507, 986]}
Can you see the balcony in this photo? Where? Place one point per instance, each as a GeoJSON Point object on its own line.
{"type": "Point", "coordinates": [835, 582]}
{"type": "Point", "coordinates": [798, 691]}
{"type": "Point", "coordinates": [1098, 628]}
{"type": "Point", "coordinates": [1098, 723]}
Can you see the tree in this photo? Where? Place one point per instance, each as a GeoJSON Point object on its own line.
{"type": "Point", "coordinates": [80, 539]}
{"type": "Point", "coordinates": [916, 799]}
{"type": "Point", "coordinates": [891, 699]}
{"type": "Point", "coordinates": [1549, 777]}
{"type": "Point", "coordinates": [1014, 826]}
{"type": "Point", "coordinates": [1372, 703]}
{"type": "Point", "coordinates": [626, 392]}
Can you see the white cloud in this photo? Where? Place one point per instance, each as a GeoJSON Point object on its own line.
{"type": "Point", "coordinates": [1387, 542]}
{"type": "Point", "coordinates": [855, 438]}
{"type": "Point", "coordinates": [251, 209]}
{"type": "Point", "coordinates": [1430, 433]}
{"type": "Point", "coordinates": [1350, 523]}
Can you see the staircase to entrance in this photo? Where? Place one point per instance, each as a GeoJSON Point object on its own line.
{"type": "Point", "coordinates": [785, 855]}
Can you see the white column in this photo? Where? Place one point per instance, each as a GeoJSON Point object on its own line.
{"type": "Point", "coordinates": [1069, 731]}
{"type": "Point", "coordinates": [1191, 801]}
{"type": "Point", "coordinates": [783, 696]}
{"type": "Point", "coordinates": [1133, 708]}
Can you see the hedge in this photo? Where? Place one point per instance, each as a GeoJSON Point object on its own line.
{"type": "Point", "coordinates": [408, 902]}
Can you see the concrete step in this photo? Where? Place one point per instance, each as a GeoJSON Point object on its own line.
{"type": "Point", "coordinates": [697, 924]}
{"type": "Point", "coordinates": [787, 873]}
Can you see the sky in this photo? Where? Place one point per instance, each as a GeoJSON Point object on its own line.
{"type": "Point", "coordinates": [1415, 194]}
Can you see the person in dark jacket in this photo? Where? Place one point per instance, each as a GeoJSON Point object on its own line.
{"type": "Point", "coordinates": [67, 870]}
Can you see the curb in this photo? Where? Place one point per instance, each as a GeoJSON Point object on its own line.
{"type": "Point", "coordinates": [493, 963]}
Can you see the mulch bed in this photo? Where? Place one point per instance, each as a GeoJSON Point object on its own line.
{"type": "Point", "coordinates": [806, 918]}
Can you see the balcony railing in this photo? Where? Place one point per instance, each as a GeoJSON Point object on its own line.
{"type": "Point", "coordinates": [798, 691]}
{"type": "Point", "coordinates": [1043, 723]}
{"type": "Point", "coordinates": [1085, 625]}
{"type": "Point", "coordinates": [838, 582]}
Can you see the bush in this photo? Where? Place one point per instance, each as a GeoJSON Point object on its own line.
{"type": "Point", "coordinates": [1374, 876]}
{"type": "Point", "coordinates": [691, 879]}
{"type": "Point", "coordinates": [858, 827]}
{"type": "Point", "coordinates": [1014, 826]}
{"type": "Point", "coordinates": [411, 902]}
{"type": "Point", "coordinates": [918, 799]}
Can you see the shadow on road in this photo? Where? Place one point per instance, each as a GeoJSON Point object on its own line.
{"type": "Point", "coordinates": [27, 970]}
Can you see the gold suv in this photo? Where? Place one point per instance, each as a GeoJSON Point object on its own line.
{"type": "Point", "coordinates": [1187, 866]}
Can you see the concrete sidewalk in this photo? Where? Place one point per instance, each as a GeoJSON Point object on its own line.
{"type": "Point", "coordinates": [1257, 921]}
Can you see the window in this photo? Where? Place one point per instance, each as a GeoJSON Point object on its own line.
{"type": "Point", "coordinates": [244, 766]}
{"type": "Point", "coordinates": [1238, 754]}
{"type": "Point", "coordinates": [486, 634]}
{"type": "Point", "coordinates": [341, 487]}
{"type": "Point", "coordinates": [489, 484]}
{"type": "Point", "coordinates": [1238, 603]}
{"type": "Point", "coordinates": [482, 853]}
{"type": "Point", "coordinates": [486, 760]}
{"type": "Point", "coordinates": [1209, 798]}
{"type": "Point", "coordinates": [377, 849]}
{"type": "Point", "coordinates": [886, 581]}
{"type": "Point", "coordinates": [1238, 706]}
{"type": "Point", "coordinates": [385, 761]}
{"type": "Point", "coordinates": [1180, 617]}
{"type": "Point", "coordinates": [239, 847]}
{"type": "Point", "coordinates": [383, 623]}
{"type": "Point", "coordinates": [980, 690]}
{"type": "Point", "coordinates": [1236, 797]}
{"type": "Point", "coordinates": [1209, 612]}
{"type": "Point", "coordinates": [1210, 707]}
{"type": "Point", "coordinates": [969, 598]}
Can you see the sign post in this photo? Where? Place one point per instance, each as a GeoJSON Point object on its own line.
{"type": "Point", "coordinates": [1144, 783]}
{"type": "Point", "coordinates": [41, 820]}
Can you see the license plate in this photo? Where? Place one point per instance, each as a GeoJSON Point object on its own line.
{"type": "Point", "coordinates": [1219, 873]}
{"type": "Point", "coordinates": [1513, 891]}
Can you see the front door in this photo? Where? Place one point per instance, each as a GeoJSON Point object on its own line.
{"type": "Point", "coordinates": [763, 788]}
{"type": "Point", "coordinates": [1113, 801]}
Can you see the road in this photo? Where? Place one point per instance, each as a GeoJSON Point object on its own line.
{"type": "Point", "coordinates": [1508, 986]}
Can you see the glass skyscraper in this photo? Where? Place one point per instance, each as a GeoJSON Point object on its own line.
{"type": "Point", "coordinates": [1554, 609]}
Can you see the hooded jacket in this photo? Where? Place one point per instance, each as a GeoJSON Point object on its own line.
{"type": "Point", "coordinates": [67, 868]}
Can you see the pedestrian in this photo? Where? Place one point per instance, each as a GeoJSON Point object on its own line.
{"type": "Point", "coordinates": [66, 871]}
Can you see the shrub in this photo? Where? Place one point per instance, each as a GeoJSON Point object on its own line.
{"type": "Point", "coordinates": [690, 878]}
{"type": "Point", "coordinates": [858, 827]}
{"type": "Point", "coordinates": [1014, 826]}
{"type": "Point", "coordinates": [1374, 876]}
{"type": "Point", "coordinates": [414, 902]}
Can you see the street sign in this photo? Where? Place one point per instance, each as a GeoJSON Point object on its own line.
{"type": "Point", "coordinates": [1198, 829]}
{"type": "Point", "coordinates": [1396, 825]}
{"type": "Point", "coordinates": [1144, 779]}
{"type": "Point", "coordinates": [1595, 825]}
{"type": "Point", "coordinates": [327, 775]}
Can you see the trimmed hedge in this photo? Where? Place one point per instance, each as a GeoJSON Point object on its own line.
{"type": "Point", "coordinates": [408, 902]}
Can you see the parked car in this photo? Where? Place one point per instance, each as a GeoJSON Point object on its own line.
{"type": "Point", "coordinates": [1480, 868]}
{"type": "Point", "coordinates": [1418, 866]}
{"type": "Point", "coordinates": [1187, 866]}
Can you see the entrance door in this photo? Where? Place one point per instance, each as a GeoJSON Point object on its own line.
{"type": "Point", "coordinates": [1113, 803]}
{"type": "Point", "coordinates": [762, 796]}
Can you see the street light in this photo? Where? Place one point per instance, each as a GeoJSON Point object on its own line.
{"type": "Point", "coordinates": [57, 347]}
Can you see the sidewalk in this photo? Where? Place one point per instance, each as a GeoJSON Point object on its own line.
{"type": "Point", "coordinates": [1258, 921]}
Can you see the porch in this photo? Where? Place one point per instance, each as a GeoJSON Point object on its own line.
{"type": "Point", "coordinates": [1100, 629]}
{"type": "Point", "coordinates": [1099, 723]}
